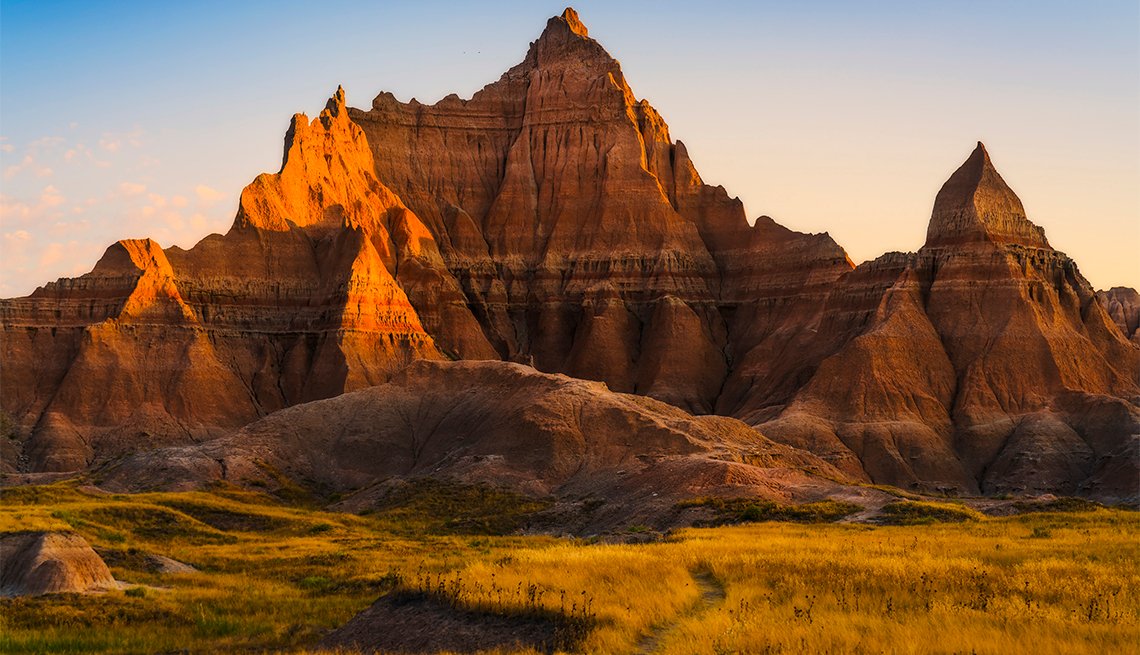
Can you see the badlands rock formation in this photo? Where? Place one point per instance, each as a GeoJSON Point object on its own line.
{"type": "Point", "coordinates": [551, 220]}
{"type": "Point", "coordinates": [305, 297]}
{"type": "Point", "coordinates": [500, 424]}
{"type": "Point", "coordinates": [584, 238]}
{"type": "Point", "coordinates": [36, 563]}
{"type": "Point", "coordinates": [1123, 306]}
{"type": "Point", "coordinates": [983, 362]}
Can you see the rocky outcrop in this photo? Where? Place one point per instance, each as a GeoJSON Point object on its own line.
{"type": "Point", "coordinates": [493, 422]}
{"type": "Point", "coordinates": [1123, 306]}
{"type": "Point", "coordinates": [560, 226]}
{"type": "Point", "coordinates": [976, 205]}
{"type": "Point", "coordinates": [37, 563]}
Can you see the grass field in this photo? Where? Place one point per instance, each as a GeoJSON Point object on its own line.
{"type": "Point", "coordinates": [274, 577]}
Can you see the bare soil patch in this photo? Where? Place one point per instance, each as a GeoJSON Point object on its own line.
{"type": "Point", "coordinates": [410, 622]}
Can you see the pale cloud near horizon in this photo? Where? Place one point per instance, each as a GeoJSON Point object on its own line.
{"type": "Point", "coordinates": [60, 229]}
{"type": "Point", "coordinates": [30, 164]}
{"type": "Point", "coordinates": [132, 189]}
{"type": "Point", "coordinates": [207, 195]}
{"type": "Point", "coordinates": [114, 142]}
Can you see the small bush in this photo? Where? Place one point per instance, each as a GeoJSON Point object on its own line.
{"type": "Point", "coordinates": [1064, 505]}
{"type": "Point", "coordinates": [748, 510]}
{"type": "Point", "coordinates": [446, 507]}
{"type": "Point", "coordinates": [316, 583]}
{"type": "Point", "coordinates": [920, 513]}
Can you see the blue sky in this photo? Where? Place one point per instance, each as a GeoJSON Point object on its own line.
{"type": "Point", "coordinates": [130, 119]}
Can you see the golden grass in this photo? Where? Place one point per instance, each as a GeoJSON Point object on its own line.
{"type": "Point", "coordinates": [275, 577]}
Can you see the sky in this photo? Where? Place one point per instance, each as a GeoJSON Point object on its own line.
{"type": "Point", "coordinates": [133, 119]}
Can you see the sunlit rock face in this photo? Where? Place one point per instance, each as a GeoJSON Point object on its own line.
{"type": "Point", "coordinates": [551, 220]}
{"type": "Point", "coordinates": [308, 295]}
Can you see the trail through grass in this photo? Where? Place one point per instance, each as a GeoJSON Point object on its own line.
{"type": "Point", "coordinates": [711, 595]}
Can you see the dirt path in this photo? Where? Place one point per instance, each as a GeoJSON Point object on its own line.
{"type": "Point", "coordinates": [712, 594]}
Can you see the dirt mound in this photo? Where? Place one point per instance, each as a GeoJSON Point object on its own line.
{"type": "Point", "coordinates": [36, 563]}
{"type": "Point", "coordinates": [501, 425]}
{"type": "Point", "coordinates": [414, 623]}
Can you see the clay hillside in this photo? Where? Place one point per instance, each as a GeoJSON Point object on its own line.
{"type": "Point", "coordinates": [552, 221]}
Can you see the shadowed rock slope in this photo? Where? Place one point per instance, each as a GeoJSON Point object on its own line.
{"type": "Point", "coordinates": [499, 424]}
{"type": "Point", "coordinates": [1123, 306]}
{"type": "Point", "coordinates": [551, 219]}
{"type": "Point", "coordinates": [983, 362]}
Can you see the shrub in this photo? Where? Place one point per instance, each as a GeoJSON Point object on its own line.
{"type": "Point", "coordinates": [1065, 505]}
{"type": "Point", "coordinates": [748, 510]}
{"type": "Point", "coordinates": [911, 512]}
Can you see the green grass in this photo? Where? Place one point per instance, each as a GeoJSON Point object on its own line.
{"type": "Point", "coordinates": [749, 510]}
{"type": "Point", "coordinates": [441, 507]}
{"type": "Point", "coordinates": [909, 512]}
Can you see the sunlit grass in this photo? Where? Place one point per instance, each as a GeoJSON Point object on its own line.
{"type": "Point", "coordinates": [277, 577]}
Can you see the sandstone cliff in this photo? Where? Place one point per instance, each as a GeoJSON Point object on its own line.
{"type": "Point", "coordinates": [583, 236]}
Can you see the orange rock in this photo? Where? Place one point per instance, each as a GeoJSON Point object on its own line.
{"type": "Point", "coordinates": [583, 236]}
{"type": "Point", "coordinates": [37, 563]}
{"type": "Point", "coordinates": [306, 296]}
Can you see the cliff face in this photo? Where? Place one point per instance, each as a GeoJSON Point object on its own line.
{"type": "Point", "coordinates": [551, 220]}
{"type": "Point", "coordinates": [583, 237]}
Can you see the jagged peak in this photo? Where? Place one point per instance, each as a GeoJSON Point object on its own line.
{"type": "Point", "coordinates": [131, 256]}
{"type": "Point", "coordinates": [567, 30]}
{"type": "Point", "coordinates": [334, 108]}
{"type": "Point", "coordinates": [570, 17]}
{"type": "Point", "coordinates": [975, 204]}
{"type": "Point", "coordinates": [335, 105]}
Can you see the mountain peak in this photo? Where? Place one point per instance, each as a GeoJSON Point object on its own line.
{"type": "Point", "coordinates": [565, 28]}
{"type": "Point", "coordinates": [570, 17]}
{"type": "Point", "coordinates": [976, 205]}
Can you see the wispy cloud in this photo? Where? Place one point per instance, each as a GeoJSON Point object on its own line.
{"type": "Point", "coordinates": [207, 195]}
{"type": "Point", "coordinates": [30, 164]}
{"type": "Point", "coordinates": [116, 141]}
{"type": "Point", "coordinates": [132, 189]}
